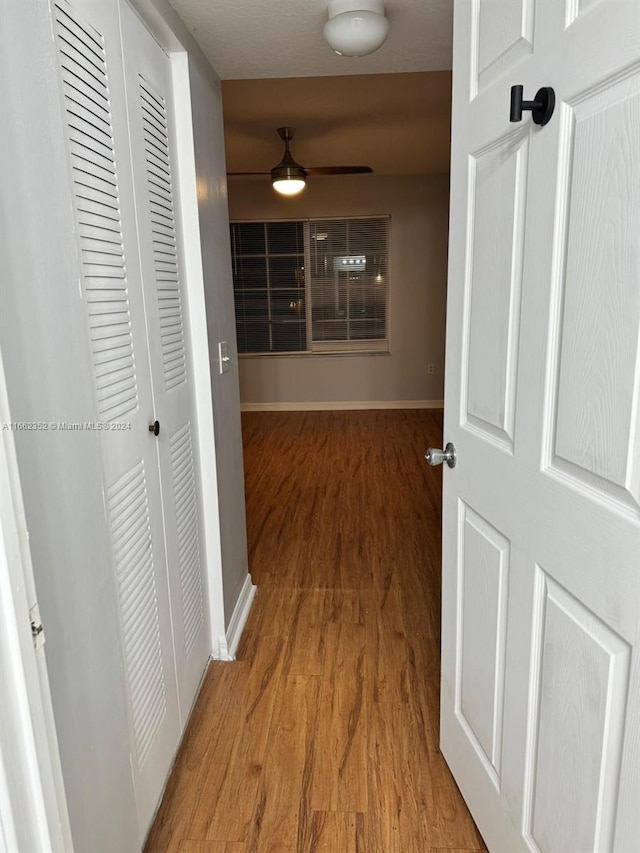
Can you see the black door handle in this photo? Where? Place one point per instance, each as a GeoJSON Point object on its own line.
{"type": "Point", "coordinates": [155, 427]}
{"type": "Point", "coordinates": [541, 108]}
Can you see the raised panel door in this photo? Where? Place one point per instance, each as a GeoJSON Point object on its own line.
{"type": "Point", "coordinates": [540, 718]}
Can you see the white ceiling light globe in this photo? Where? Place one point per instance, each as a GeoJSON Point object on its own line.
{"type": "Point", "coordinates": [356, 27]}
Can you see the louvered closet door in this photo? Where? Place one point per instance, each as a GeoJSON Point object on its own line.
{"type": "Point", "coordinates": [88, 42]}
{"type": "Point", "coordinates": [148, 75]}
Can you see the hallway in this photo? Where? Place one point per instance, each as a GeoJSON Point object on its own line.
{"type": "Point", "coordinates": [323, 736]}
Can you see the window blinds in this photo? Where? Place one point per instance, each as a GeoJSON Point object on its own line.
{"type": "Point", "coordinates": [349, 283]}
{"type": "Point", "coordinates": [311, 286]}
{"type": "Point", "coordinates": [269, 287]}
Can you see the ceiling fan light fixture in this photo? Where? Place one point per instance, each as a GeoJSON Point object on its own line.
{"type": "Point", "coordinates": [356, 27]}
{"type": "Point", "coordinates": [288, 178]}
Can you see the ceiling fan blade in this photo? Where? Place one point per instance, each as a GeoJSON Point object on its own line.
{"type": "Point", "coordinates": [337, 170]}
{"type": "Point", "coordinates": [233, 174]}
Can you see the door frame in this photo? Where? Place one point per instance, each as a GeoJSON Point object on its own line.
{"type": "Point", "coordinates": [33, 807]}
{"type": "Point", "coordinates": [162, 22]}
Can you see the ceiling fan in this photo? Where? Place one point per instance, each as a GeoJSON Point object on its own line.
{"type": "Point", "coordinates": [289, 177]}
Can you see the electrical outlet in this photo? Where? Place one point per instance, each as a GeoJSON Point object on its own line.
{"type": "Point", "coordinates": [223, 356]}
{"type": "Point", "coordinates": [431, 368]}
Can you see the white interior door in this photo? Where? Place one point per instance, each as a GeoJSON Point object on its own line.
{"type": "Point", "coordinates": [149, 81]}
{"type": "Point", "coordinates": [540, 715]}
{"type": "Point", "coordinates": [90, 62]}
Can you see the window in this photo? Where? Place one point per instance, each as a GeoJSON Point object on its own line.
{"type": "Point", "coordinates": [315, 286]}
{"type": "Point", "coordinates": [268, 285]}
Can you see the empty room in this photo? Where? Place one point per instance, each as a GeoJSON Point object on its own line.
{"type": "Point", "coordinates": [319, 383]}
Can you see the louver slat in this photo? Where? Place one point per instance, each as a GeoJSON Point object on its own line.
{"type": "Point", "coordinates": [186, 511]}
{"type": "Point", "coordinates": [88, 123]}
{"type": "Point", "coordinates": [163, 235]}
{"type": "Point", "coordinates": [131, 534]}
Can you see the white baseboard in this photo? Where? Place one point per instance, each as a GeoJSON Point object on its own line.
{"type": "Point", "coordinates": [228, 645]}
{"type": "Point", "coordinates": [341, 405]}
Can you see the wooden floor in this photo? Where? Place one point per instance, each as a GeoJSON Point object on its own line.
{"type": "Point", "coordinates": [323, 736]}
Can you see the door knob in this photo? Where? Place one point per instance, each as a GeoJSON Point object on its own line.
{"type": "Point", "coordinates": [541, 107]}
{"type": "Point", "coordinates": [437, 457]}
{"type": "Point", "coordinates": [155, 427]}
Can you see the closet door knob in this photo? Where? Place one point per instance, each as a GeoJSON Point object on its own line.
{"type": "Point", "coordinates": [155, 427]}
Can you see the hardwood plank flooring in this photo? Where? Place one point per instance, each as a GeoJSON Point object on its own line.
{"type": "Point", "coordinates": [323, 736]}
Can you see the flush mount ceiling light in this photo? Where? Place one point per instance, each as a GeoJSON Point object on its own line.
{"type": "Point", "coordinates": [356, 27]}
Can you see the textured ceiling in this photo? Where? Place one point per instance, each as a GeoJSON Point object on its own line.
{"type": "Point", "coordinates": [396, 123]}
{"type": "Point", "coordinates": [247, 39]}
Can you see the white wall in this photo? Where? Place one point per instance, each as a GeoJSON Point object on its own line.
{"type": "Point", "coordinates": [214, 231]}
{"type": "Point", "coordinates": [418, 271]}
